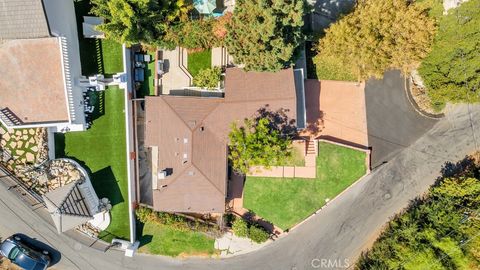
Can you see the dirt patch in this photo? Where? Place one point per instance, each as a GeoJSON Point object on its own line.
{"type": "Point", "coordinates": [422, 99]}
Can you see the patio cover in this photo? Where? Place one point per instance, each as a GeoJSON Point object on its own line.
{"type": "Point", "coordinates": [71, 205]}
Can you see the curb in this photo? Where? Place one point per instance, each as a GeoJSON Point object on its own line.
{"type": "Point", "coordinates": [414, 104]}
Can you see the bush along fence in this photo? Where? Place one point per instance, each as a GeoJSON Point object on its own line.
{"type": "Point", "coordinates": [248, 229]}
{"type": "Point", "coordinates": [177, 221]}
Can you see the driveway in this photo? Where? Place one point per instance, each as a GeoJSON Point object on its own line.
{"type": "Point", "coordinates": [392, 122]}
{"type": "Point", "coordinates": [338, 233]}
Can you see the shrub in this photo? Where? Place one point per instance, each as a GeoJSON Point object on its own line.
{"type": "Point", "coordinates": [258, 234]}
{"type": "Point", "coordinates": [208, 78]}
{"type": "Point", "coordinates": [240, 227]}
{"type": "Point", "coordinates": [450, 71]}
{"type": "Point", "coordinates": [144, 214]}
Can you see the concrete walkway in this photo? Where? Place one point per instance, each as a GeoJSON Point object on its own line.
{"type": "Point", "coordinates": [231, 245]}
{"type": "Point", "coordinates": [309, 150]}
{"type": "Point", "coordinates": [176, 77]}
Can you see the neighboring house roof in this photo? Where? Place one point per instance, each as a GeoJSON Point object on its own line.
{"type": "Point", "coordinates": [336, 110]}
{"type": "Point", "coordinates": [191, 135]}
{"type": "Point", "coordinates": [72, 205]}
{"type": "Point", "coordinates": [22, 19]}
{"type": "Point", "coordinates": [32, 86]}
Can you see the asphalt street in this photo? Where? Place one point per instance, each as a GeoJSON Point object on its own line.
{"type": "Point", "coordinates": [337, 233]}
{"type": "Point", "coordinates": [392, 122]}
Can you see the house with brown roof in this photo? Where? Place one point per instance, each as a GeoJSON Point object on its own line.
{"type": "Point", "coordinates": [188, 136]}
{"type": "Point", "coordinates": [40, 65]}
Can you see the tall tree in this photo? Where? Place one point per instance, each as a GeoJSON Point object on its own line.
{"type": "Point", "coordinates": [259, 143]}
{"type": "Point", "coordinates": [451, 71]}
{"type": "Point", "coordinates": [379, 35]}
{"type": "Point", "coordinates": [264, 34]}
{"type": "Point", "coordinates": [139, 21]}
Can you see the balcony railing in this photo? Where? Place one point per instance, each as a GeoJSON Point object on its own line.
{"type": "Point", "coordinates": [9, 118]}
{"type": "Point", "coordinates": [68, 77]}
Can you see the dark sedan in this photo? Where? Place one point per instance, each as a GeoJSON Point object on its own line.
{"type": "Point", "coordinates": [24, 255]}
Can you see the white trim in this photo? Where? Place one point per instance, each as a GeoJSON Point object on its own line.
{"type": "Point", "coordinates": [129, 144]}
{"type": "Point", "coordinates": [64, 56]}
{"type": "Point", "coordinates": [40, 125]}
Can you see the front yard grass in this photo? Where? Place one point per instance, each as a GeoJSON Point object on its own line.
{"type": "Point", "coordinates": [198, 61]}
{"type": "Point", "coordinates": [166, 240]}
{"type": "Point", "coordinates": [102, 151]}
{"type": "Point", "coordinates": [287, 201]}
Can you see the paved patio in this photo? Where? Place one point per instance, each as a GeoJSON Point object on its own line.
{"type": "Point", "coordinates": [307, 171]}
{"type": "Point", "coordinates": [336, 111]}
{"type": "Point", "coordinates": [176, 76]}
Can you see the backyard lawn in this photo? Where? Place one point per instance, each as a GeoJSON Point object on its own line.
{"type": "Point", "coordinates": [166, 240]}
{"type": "Point", "coordinates": [102, 151]}
{"type": "Point", "coordinates": [97, 56]}
{"type": "Point", "coordinates": [147, 86]}
{"type": "Point", "coordinates": [287, 201]}
{"type": "Point", "coordinates": [198, 61]}
{"type": "Point", "coordinates": [112, 57]}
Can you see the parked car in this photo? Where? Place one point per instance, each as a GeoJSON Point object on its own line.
{"type": "Point", "coordinates": [23, 254]}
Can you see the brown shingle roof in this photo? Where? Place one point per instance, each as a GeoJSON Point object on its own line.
{"type": "Point", "coordinates": [22, 19]}
{"type": "Point", "coordinates": [191, 136]}
{"type": "Point", "coordinates": [32, 84]}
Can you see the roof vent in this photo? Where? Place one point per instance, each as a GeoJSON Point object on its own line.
{"type": "Point", "coordinates": [202, 128]}
{"type": "Point", "coordinates": [185, 155]}
{"type": "Point", "coordinates": [191, 173]}
{"type": "Point", "coordinates": [185, 140]}
{"type": "Point", "coordinates": [177, 139]}
{"type": "Point", "coordinates": [162, 174]}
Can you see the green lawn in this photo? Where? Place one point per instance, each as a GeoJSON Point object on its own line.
{"type": "Point", "coordinates": [198, 61]}
{"type": "Point", "coordinates": [165, 240]}
{"type": "Point", "coordinates": [102, 151]}
{"type": "Point", "coordinates": [287, 201]}
{"type": "Point", "coordinates": [147, 86]}
{"type": "Point", "coordinates": [297, 158]}
{"type": "Point", "coordinates": [112, 57]}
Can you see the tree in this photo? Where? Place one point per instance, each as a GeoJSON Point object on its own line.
{"type": "Point", "coordinates": [264, 34]}
{"type": "Point", "coordinates": [451, 71]}
{"type": "Point", "coordinates": [139, 21]}
{"type": "Point", "coordinates": [438, 231]}
{"type": "Point", "coordinates": [379, 35]}
{"type": "Point", "coordinates": [208, 78]}
{"type": "Point", "coordinates": [193, 34]}
{"type": "Point", "coordinates": [259, 143]}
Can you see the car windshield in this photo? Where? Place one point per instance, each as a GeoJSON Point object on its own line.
{"type": "Point", "coordinates": [14, 253]}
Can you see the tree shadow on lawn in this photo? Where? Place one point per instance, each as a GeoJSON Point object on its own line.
{"type": "Point", "coordinates": [144, 239]}
{"type": "Point", "coordinates": [106, 185]}
{"type": "Point", "coordinates": [103, 181]}
{"type": "Point", "coordinates": [97, 99]}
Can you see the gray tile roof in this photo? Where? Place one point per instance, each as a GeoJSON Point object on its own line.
{"type": "Point", "coordinates": [22, 19]}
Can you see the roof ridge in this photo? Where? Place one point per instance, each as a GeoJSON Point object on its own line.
{"type": "Point", "coordinates": [175, 112]}
{"type": "Point", "coordinates": [257, 100]}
